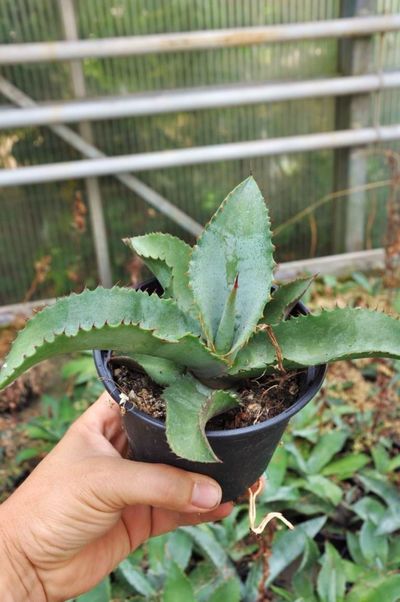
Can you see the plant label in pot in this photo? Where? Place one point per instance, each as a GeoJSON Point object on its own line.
{"type": "Point", "coordinates": [214, 329]}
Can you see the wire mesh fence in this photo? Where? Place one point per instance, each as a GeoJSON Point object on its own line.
{"type": "Point", "coordinates": [39, 221]}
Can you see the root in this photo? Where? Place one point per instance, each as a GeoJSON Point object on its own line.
{"type": "Point", "coordinates": [270, 516]}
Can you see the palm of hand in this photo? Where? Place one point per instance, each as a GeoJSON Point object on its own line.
{"type": "Point", "coordinates": [84, 508]}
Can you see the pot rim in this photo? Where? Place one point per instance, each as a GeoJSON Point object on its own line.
{"type": "Point", "coordinates": [315, 378]}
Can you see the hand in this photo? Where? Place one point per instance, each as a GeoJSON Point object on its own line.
{"type": "Point", "coordinates": [85, 508]}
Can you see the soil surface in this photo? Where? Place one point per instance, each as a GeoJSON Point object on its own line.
{"type": "Point", "coordinates": [260, 399]}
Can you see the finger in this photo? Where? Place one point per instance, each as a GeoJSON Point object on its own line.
{"type": "Point", "coordinates": [103, 415]}
{"type": "Point", "coordinates": [219, 513]}
{"type": "Point", "coordinates": [99, 424]}
{"type": "Point", "coordinates": [118, 483]}
{"type": "Point", "coordinates": [163, 521]}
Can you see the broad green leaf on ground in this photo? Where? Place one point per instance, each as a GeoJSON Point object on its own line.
{"type": "Point", "coordinates": [327, 447]}
{"type": "Point", "coordinates": [26, 454]}
{"type": "Point", "coordinates": [228, 591]}
{"type": "Point", "coordinates": [331, 582]}
{"type": "Point", "coordinates": [369, 508]}
{"type": "Point", "coordinates": [381, 458]}
{"type": "Point", "coordinates": [101, 593]}
{"type": "Point", "coordinates": [290, 544]}
{"type": "Point", "coordinates": [323, 488]}
{"type": "Point", "coordinates": [212, 549]}
{"type": "Point", "coordinates": [394, 463]}
{"type": "Point", "coordinates": [235, 243]}
{"type": "Point", "coordinates": [155, 549]}
{"type": "Point", "coordinates": [394, 552]}
{"type": "Point", "coordinates": [179, 548]}
{"type": "Point", "coordinates": [316, 339]}
{"type": "Point", "coordinates": [276, 469]}
{"type": "Point", "coordinates": [382, 588]}
{"type": "Point", "coordinates": [353, 572]}
{"type": "Point", "coordinates": [168, 258]}
{"type": "Point", "coordinates": [284, 299]}
{"type": "Point", "coordinates": [310, 556]}
{"type": "Point", "coordinates": [353, 544]}
{"type": "Point", "coordinates": [287, 493]}
{"type": "Point", "coordinates": [177, 586]}
{"type": "Point", "coordinates": [135, 578]}
{"type": "Point", "coordinates": [254, 576]}
{"type": "Point", "coordinates": [190, 405]}
{"type": "Point", "coordinates": [120, 319]}
{"type": "Point", "coordinates": [282, 595]}
{"type": "Point", "coordinates": [347, 466]}
{"type": "Point", "coordinates": [298, 460]}
{"type": "Point", "coordinates": [390, 523]}
{"type": "Point", "coordinates": [303, 587]}
{"type": "Point", "coordinates": [374, 547]}
{"type": "Point", "coordinates": [381, 487]}
{"type": "Point", "coordinates": [205, 579]}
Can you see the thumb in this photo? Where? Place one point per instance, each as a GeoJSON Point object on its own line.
{"type": "Point", "coordinates": [120, 483]}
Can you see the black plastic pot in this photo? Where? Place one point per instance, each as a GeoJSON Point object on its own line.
{"type": "Point", "coordinates": [245, 452]}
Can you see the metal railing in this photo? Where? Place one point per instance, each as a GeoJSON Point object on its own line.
{"type": "Point", "coordinates": [97, 164]}
{"type": "Point", "coordinates": [139, 162]}
{"type": "Point", "coordinates": [171, 101]}
{"type": "Point", "coordinates": [11, 54]}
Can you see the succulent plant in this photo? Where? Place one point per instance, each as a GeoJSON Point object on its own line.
{"type": "Point", "coordinates": [217, 322]}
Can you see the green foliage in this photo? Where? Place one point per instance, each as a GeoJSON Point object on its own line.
{"type": "Point", "coordinates": [191, 405]}
{"type": "Point", "coordinates": [236, 243]}
{"type": "Point", "coordinates": [341, 549]}
{"type": "Point", "coordinates": [101, 593]}
{"type": "Point", "coordinates": [205, 334]}
{"type": "Point", "coordinates": [284, 299]}
{"type": "Point", "coordinates": [168, 258]}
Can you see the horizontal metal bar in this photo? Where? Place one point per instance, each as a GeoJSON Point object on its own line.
{"type": "Point", "coordinates": [342, 264]}
{"type": "Point", "coordinates": [195, 40]}
{"type": "Point", "coordinates": [339, 265]}
{"type": "Point", "coordinates": [193, 156]}
{"type": "Point", "coordinates": [192, 99]}
{"type": "Point", "coordinates": [150, 196]}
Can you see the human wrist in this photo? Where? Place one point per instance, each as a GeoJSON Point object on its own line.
{"type": "Point", "coordinates": [18, 579]}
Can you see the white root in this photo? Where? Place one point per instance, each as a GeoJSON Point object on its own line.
{"type": "Point", "coordinates": [270, 516]}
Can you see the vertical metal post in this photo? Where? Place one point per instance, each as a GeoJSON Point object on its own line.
{"type": "Point", "coordinates": [67, 11]}
{"type": "Point", "coordinates": [352, 112]}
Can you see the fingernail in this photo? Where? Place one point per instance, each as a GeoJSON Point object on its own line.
{"type": "Point", "coordinates": [205, 495]}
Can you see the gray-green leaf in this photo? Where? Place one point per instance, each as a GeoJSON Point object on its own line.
{"type": "Point", "coordinates": [190, 405]}
{"type": "Point", "coordinates": [120, 319]}
{"type": "Point", "coordinates": [316, 339]}
{"type": "Point", "coordinates": [331, 582]}
{"type": "Point", "coordinates": [284, 299]}
{"type": "Point", "coordinates": [177, 586]}
{"type": "Point", "coordinates": [168, 258]}
{"type": "Point", "coordinates": [236, 242]}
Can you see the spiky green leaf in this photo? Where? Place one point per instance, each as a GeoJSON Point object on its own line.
{"type": "Point", "coordinates": [237, 241]}
{"type": "Point", "coordinates": [164, 372]}
{"type": "Point", "coordinates": [119, 319]}
{"type": "Point", "coordinates": [316, 339]}
{"type": "Point", "coordinates": [190, 405]}
{"type": "Point", "coordinates": [168, 258]}
{"type": "Point", "coordinates": [226, 328]}
{"type": "Point", "coordinates": [284, 299]}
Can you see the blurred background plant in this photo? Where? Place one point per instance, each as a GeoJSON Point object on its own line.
{"type": "Point", "coordinates": [336, 476]}
{"type": "Point", "coordinates": [43, 217]}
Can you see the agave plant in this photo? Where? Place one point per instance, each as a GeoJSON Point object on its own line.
{"type": "Point", "coordinates": [216, 323]}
